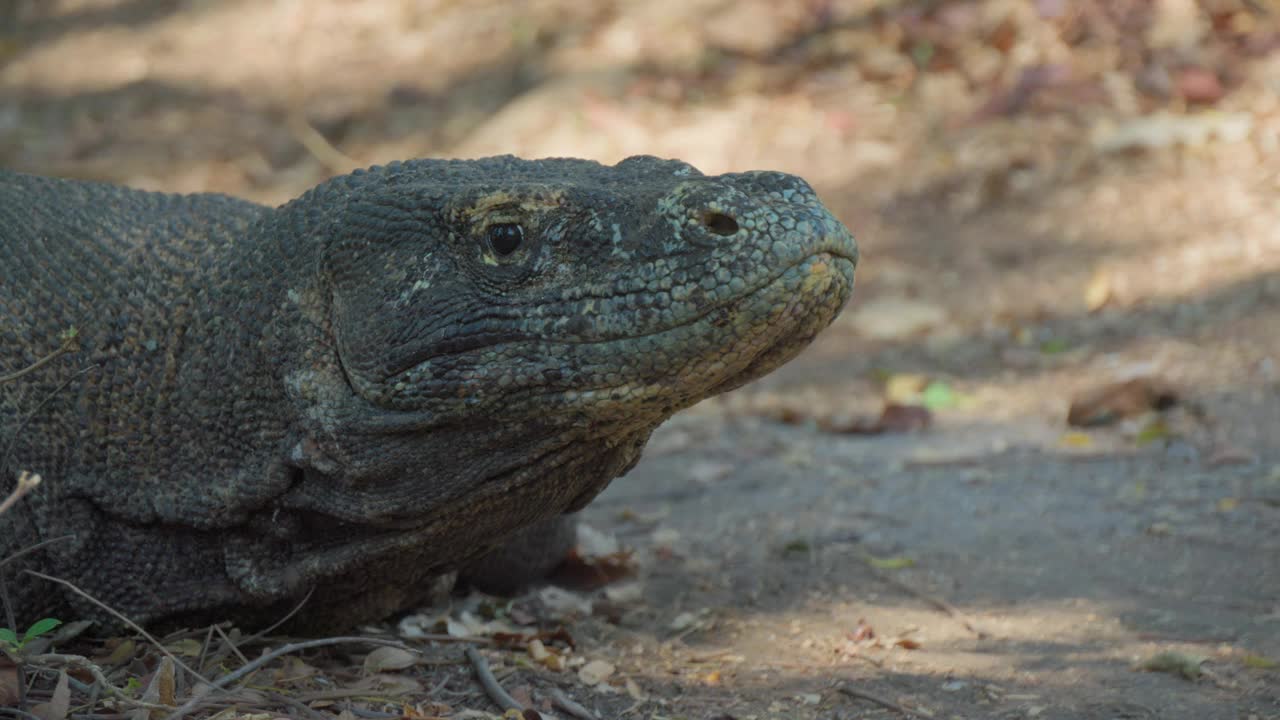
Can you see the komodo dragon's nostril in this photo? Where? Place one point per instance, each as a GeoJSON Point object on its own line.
{"type": "Point", "coordinates": [720, 224]}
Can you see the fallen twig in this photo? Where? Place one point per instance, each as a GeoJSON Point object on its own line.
{"type": "Point", "coordinates": [70, 342]}
{"type": "Point", "coordinates": [32, 548]}
{"type": "Point", "coordinates": [883, 702]}
{"type": "Point", "coordinates": [270, 628]}
{"type": "Point", "coordinates": [122, 618]}
{"type": "Point", "coordinates": [242, 671]}
{"type": "Point", "coordinates": [231, 645]}
{"type": "Point", "coordinates": [27, 481]}
{"type": "Point", "coordinates": [490, 684]}
{"type": "Point", "coordinates": [560, 701]}
{"type": "Point", "coordinates": [84, 663]}
{"type": "Point", "coordinates": [937, 602]}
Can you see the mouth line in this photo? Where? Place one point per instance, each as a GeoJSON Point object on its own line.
{"type": "Point", "coordinates": [711, 309]}
{"type": "Point", "coordinates": [828, 256]}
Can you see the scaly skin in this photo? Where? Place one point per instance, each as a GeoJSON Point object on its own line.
{"type": "Point", "coordinates": [359, 391]}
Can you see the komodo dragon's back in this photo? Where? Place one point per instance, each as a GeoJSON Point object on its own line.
{"type": "Point", "coordinates": [377, 383]}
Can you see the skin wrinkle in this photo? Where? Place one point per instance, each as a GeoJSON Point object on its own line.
{"type": "Point", "coordinates": [353, 392]}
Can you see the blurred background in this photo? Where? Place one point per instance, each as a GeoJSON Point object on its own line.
{"type": "Point", "coordinates": [1069, 223]}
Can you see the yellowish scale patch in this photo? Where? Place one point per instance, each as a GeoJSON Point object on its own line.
{"type": "Point", "coordinates": [504, 200]}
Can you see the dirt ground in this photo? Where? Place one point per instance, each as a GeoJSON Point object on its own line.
{"type": "Point", "coordinates": [1050, 198]}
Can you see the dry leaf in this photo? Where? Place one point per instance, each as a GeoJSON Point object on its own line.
{"type": "Point", "coordinates": [1099, 291]}
{"type": "Point", "coordinates": [894, 418]}
{"type": "Point", "coordinates": [187, 647]}
{"type": "Point", "coordinates": [1110, 403]}
{"type": "Point", "coordinates": [8, 687]}
{"type": "Point", "coordinates": [1198, 85]}
{"type": "Point", "coordinates": [589, 573]}
{"type": "Point", "coordinates": [161, 688]}
{"type": "Point", "coordinates": [59, 704]}
{"type": "Point", "coordinates": [389, 658]}
{"type": "Point", "coordinates": [1076, 440]}
{"type": "Point", "coordinates": [905, 388]}
{"type": "Point", "coordinates": [122, 652]}
{"type": "Point", "coordinates": [595, 672]}
{"type": "Point", "coordinates": [548, 658]}
{"type": "Point", "coordinates": [634, 690]}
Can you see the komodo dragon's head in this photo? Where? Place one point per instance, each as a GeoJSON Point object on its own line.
{"type": "Point", "coordinates": [502, 335]}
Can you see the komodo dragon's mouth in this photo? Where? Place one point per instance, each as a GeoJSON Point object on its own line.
{"type": "Point", "coordinates": [831, 268]}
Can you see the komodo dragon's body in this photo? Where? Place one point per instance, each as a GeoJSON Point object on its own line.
{"type": "Point", "coordinates": [376, 383]}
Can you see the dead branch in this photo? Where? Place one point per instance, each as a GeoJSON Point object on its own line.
{"type": "Point", "coordinates": [222, 682]}
{"type": "Point", "coordinates": [883, 702]}
{"type": "Point", "coordinates": [563, 702]}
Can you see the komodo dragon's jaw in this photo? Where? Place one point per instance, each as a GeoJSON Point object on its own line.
{"type": "Point", "coordinates": [377, 382]}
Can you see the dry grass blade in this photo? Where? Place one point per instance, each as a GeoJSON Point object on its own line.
{"type": "Point", "coordinates": [122, 618]}
{"type": "Point", "coordinates": [222, 682]}
{"type": "Point", "coordinates": [937, 602]}
{"type": "Point", "coordinates": [70, 342]}
{"type": "Point", "coordinates": [32, 548]}
{"type": "Point", "coordinates": [22, 426]}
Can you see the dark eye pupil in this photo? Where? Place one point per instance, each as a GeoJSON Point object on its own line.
{"type": "Point", "coordinates": [505, 238]}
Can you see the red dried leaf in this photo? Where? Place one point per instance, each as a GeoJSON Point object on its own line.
{"type": "Point", "coordinates": [905, 418]}
{"type": "Point", "coordinates": [589, 573]}
{"type": "Point", "coordinates": [1198, 85]}
{"type": "Point", "coordinates": [1111, 403]}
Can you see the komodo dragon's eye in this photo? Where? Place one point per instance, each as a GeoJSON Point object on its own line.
{"type": "Point", "coordinates": [505, 238]}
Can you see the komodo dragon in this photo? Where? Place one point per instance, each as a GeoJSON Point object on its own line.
{"type": "Point", "coordinates": [377, 383]}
